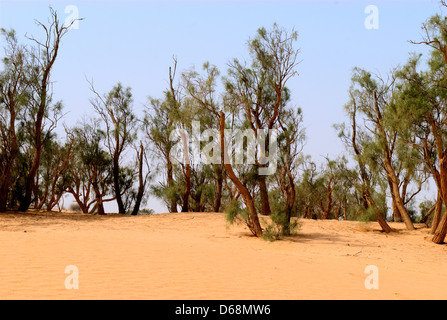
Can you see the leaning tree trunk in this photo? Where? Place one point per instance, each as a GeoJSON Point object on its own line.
{"type": "Point", "coordinates": [437, 215]}
{"type": "Point", "coordinates": [396, 194]}
{"type": "Point", "coordinates": [397, 217]}
{"type": "Point", "coordinates": [441, 230]}
{"type": "Point", "coordinates": [254, 224]}
{"type": "Point", "coordinates": [380, 219]}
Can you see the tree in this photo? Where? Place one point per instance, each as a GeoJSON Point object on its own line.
{"type": "Point", "coordinates": [143, 178]}
{"type": "Point", "coordinates": [115, 109]}
{"type": "Point", "coordinates": [357, 141]}
{"type": "Point", "coordinates": [259, 90]}
{"type": "Point", "coordinates": [159, 122]}
{"type": "Point", "coordinates": [54, 167]}
{"type": "Point", "coordinates": [423, 99]}
{"type": "Point", "coordinates": [201, 90]}
{"type": "Point", "coordinates": [14, 95]}
{"type": "Point", "coordinates": [91, 169]}
{"type": "Point", "coordinates": [253, 220]}
{"type": "Point", "coordinates": [372, 99]}
{"type": "Point", "coordinates": [290, 142]}
{"type": "Point", "coordinates": [43, 56]}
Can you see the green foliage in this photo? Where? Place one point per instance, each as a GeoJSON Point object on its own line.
{"type": "Point", "coordinates": [234, 213]}
{"type": "Point", "coordinates": [280, 225]}
{"type": "Point", "coordinates": [74, 207]}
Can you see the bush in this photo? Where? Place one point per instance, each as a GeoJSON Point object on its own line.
{"type": "Point", "coordinates": [280, 226]}
{"type": "Point", "coordinates": [74, 207]}
{"type": "Point", "coordinates": [234, 213]}
{"type": "Point", "coordinates": [146, 212]}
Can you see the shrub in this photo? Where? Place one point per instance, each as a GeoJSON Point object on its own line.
{"type": "Point", "coordinates": [234, 213]}
{"type": "Point", "coordinates": [74, 207]}
{"type": "Point", "coordinates": [280, 226]}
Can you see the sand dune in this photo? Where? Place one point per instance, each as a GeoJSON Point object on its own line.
{"type": "Point", "coordinates": [198, 256]}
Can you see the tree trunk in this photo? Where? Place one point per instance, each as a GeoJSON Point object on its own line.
{"type": "Point", "coordinates": [327, 210]}
{"type": "Point", "coordinates": [290, 201]}
{"type": "Point", "coordinates": [4, 190]}
{"type": "Point", "coordinates": [441, 230]}
{"type": "Point", "coordinates": [116, 184]}
{"type": "Point", "coordinates": [383, 224]}
{"type": "Point", "coordinates": [99, 203]}
{"type": "Point", "coordinates": [4, 182]}
{"type": "Point", "coordinates": [219, 187]}
{"type": "Point", "coordinates": [437, 215]}
{"type": "Point", "coordinates": [30, 179]}
{"type": "Point", "coordinates": [187, 192]}
{"type": "Point", "coordinates": [366, 192]}
{"type": "Point", "coordinates": [170, 180]}
{"type": "Point", "coordinates": [380, 219]}
{"type": "Point", "coordinates": [397, 217]}
{"type": "Point", "coordinates": [396, 194]}
{"type": "Point", "coordinates": [265, 204]}
{"type": "Point", "coordinates": [141, 183]}
{"type": "Point", "coordinates": [254, 224]}
{"type": "Point", "coordinates": [186, 172]}
{"type": "Point", "coordinates": [396, 214]}
{"type": "Point", "coordinates": [345, 209]}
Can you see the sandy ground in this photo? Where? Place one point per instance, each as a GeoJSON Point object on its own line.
{"type": "Point", "coordinates": [198, 256]}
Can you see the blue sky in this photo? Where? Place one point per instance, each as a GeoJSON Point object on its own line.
{"type": "Point", "coordinates": [133, 42]}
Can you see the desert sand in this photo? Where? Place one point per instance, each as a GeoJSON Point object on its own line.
{"type": "Point", "coordinates": [199, 256]}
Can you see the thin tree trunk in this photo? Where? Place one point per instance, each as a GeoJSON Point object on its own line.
{"type": "Point", "coordinates": [170, 180]}
{"type": "Point", "coordinates": [116, 184]}
{"type": "Point", "coordinates": [141, 182]}
{"type": "Point", "coordinates": [187, 192]}
{"type": "Point", "coordinates": [345, 209]}
{"type": "Point", "coordinates": [327, 210]}
{"type": "Point", "coordinates": [219, 187]}
{"type": "Point", "coordinates": [265, 203]}
{"type": "Point", "coordinates": [437, 216]}
{"type": "Point", "coordinates": [186, 172]}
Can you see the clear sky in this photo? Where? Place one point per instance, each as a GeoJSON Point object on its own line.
{"type": "Point", "coordinates": [133, 42]}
